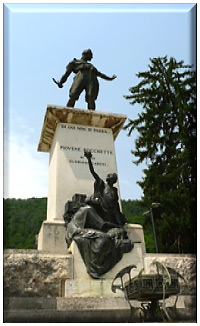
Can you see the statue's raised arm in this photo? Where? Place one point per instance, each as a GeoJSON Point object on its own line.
{"type": "Point", "coordinates": [100, 74]}
{"type": "Point", "coordinates": [88, 155]}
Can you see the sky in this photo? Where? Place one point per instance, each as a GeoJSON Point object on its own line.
{"type": "Point", "coordinates": [40, 40]}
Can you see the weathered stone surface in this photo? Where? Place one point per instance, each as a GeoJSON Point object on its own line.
{"type": "Point", "coordinates": [51, 237]}
{"type": "Point", "coordinates": [77, 310]}
{"type": "Point", "coordinates": [183, 264]}
{"type": "Point", "coordinates": [90, 288]}
{"type": "Point", "coordinates": [82, 310]}
{"type": "Point", "coordinates": [60, 114]}
{"type": "Point", "coordinates": [92, 303]}
{"type": "Point", "coordinates": [29, 273]}
{"type": "Point", "coordinates": [69, 166]}
{"type": "Point", "coordinates": [29, 303]}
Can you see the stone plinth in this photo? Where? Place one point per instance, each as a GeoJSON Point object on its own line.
{"type": "Point", "coordinates": [65, 134]}
{"type": "Point", "coordinates": [34, 290]}
{"type": "Point", "coordinates": [135, 233]}
{"type": "Point", "coordinates": [60, 114]}
{"type": "Point", "coordinates": [52, 237]}
{"type": "Point", "coordinates": [83, 285]}
{"type": "Point", "coordinates": [68, 169]}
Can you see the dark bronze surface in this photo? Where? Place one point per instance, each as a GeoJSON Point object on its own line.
{"type": "Point", "coordinates": [85, 79]}
{"type": "Point", "coordinates": [96, 225]}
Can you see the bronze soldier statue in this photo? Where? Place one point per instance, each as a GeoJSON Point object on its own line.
{"type": "Point", "coordinates": [85, 79]}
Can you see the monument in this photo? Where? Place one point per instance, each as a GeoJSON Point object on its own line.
{"type": "Point", "coordinates": [81, 146]}
{"type": "Point", "coordinates": [84, 207]}
{"type": "Point", "coordinates": [86, 245]}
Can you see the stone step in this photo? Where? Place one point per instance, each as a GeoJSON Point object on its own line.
{"type": "Point", "coordinates": [66, 310]}
{"type": "Point", "coordinates": [78, 310]}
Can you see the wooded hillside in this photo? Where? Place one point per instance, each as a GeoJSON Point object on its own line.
{"type": "Point", "coordinates": [23, 219]}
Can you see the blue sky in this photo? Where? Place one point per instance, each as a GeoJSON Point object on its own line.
{"type": "Point", "coordinates": [39, 41]}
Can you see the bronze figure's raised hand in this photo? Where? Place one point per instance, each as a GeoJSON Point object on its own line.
{"type": "Point", "coordinates": [88, 154]}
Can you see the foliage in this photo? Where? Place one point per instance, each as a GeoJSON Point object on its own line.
{"type": "Point", "coordinates": [133, 210]}
{"type": "Point", "coordinates": [167, 142]}
{"type": "Point", "coordinates": [22, 221]}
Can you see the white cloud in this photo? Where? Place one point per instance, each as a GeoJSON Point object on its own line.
{"type": "Point", "coordinates": [25, 169]}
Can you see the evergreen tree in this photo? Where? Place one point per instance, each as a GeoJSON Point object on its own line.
{"type": "Point", "coordinates": [134, 210]}
{"type": "Point", "coordinates": [167, 143]}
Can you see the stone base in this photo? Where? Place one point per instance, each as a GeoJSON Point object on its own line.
{"type": "Point", "coordinates": [35, 286]}
{"type": "Point", "coordinates": [82, 310]}
{"type": "Point", "coordinates": [83, 285]}
{"type": "Point", "coordinates": [51, 237]}
{"type": "Point", "coordinates": [66, 134]}
{"type": "Point", "coordinates": [135, 233]}
{"type": "Point", "coordinates": [33, 273]}
{"type": "Point", "coordinates": [90, 288]}
{"type": "Point", "coordinates": [60, 310]}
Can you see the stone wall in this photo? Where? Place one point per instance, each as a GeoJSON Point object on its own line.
{"type": "Point", "coordinates": [31, 273]}
{"type": "Point", "coordinates": [185, 265]}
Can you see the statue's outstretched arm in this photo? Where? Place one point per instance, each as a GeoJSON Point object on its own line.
{"type": "Point", "coordinates": [100, 74]}
{"type": "Point", "coordinates": [88, 155]}
{"type": "Point", "coordinates": [65, 76]}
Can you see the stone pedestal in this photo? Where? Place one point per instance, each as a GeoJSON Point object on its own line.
{"type": "Point", "coordinates": [51, 237]}
{"type": "Point", "coordinates": [35, 290]}
{"type": "Point", "coordinates": [65, 134]}
{"type": "Point", "coordinates": [83, 285]}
